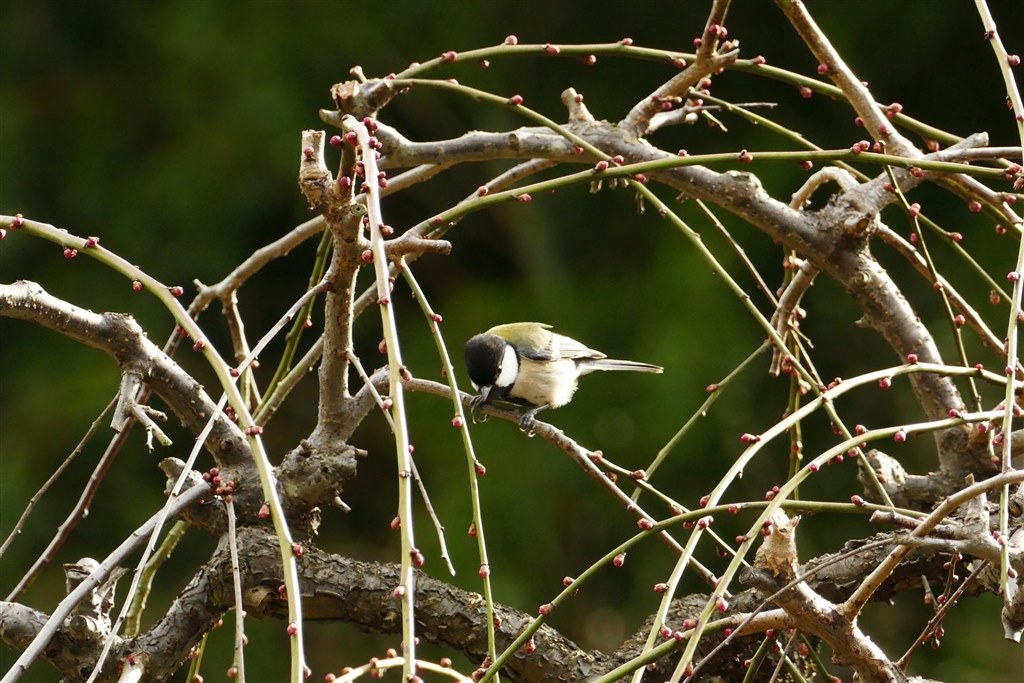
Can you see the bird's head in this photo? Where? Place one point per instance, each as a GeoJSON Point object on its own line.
{"type": "Point", "coordinates": [491, 363]}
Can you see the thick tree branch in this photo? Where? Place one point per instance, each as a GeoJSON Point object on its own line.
{"type": "Point", "coordinates": [361, 593]}
{"type": "Point", "coordinates": [522, 143]}
{"type": "Point", "coordinates": [120, 337]}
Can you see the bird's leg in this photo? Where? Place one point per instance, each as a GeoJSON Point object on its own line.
{"type": "Point", "coordinates": [527, 419]}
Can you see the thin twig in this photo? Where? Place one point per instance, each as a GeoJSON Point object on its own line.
{"type": "Point", "coordinates": [411, 557]}
{"type": "Point", "coordinates": [89, 434]}
{"type": "Point", "coordinates": [438, 527]}
{"type": "Point", "coordinates": [1017, 277]}
{"type": "Point", "coordinates": [368, 383]}
{"type": "Point", "coordinates": [162, 554]}
{"type": "Point", "coordinates": [76, 514]}
{"type": "Point", "coordinates": [236, 581]}
{"type": "Point", "coordinates": [940, 614]}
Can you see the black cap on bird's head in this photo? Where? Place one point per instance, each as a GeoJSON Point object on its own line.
{"type": "Point", "coordinates": [484, 356]}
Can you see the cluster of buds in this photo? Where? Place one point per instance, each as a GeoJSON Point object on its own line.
{"type": "Point", "coordinates": [222, 487]}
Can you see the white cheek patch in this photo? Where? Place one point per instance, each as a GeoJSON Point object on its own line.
{"type": "Point", "coordinates": [509, 368]}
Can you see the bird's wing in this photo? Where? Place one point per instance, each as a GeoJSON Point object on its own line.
{"type": "Point", "coordinates": [567, 347]}
{"type": "Point", "coordinates": [532, 340]}
{"type": "Point", "coordinates": [536, 342]}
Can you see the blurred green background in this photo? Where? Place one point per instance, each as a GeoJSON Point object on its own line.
{"type": "Point", "coordinates": [171, 130]}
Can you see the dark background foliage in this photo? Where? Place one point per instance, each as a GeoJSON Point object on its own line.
{"type": "Point", "coordinates": [171, 130]}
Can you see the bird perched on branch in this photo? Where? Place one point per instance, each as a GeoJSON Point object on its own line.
{"type": "Point", "coordinates": [527, 364]}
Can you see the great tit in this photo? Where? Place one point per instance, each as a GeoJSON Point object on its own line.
{"type": "Point", "coordinates": [527, 364]}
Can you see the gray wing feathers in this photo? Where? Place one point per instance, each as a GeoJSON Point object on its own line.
{"type": "Point", "coordinates": [612, 364]}
{"type": "Point", "coordinates": [567, 347]}
{"type": "Point", "coordinates": [530, 342]}
{"type": "Point", "coordinates": [589, 360]}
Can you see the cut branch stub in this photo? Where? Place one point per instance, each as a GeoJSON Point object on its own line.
{"type": "Point", "coordinates": [314, 177]}
{"type": "Point", "coordinates": [358, 99]}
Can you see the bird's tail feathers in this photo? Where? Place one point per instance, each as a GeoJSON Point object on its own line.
{"type": "Point", "coordinates": [625, 365]}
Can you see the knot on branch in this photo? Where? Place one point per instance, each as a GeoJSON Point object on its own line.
{"type": "Point", "coordinates": [312, 477]}
{"type": "Point", "coordinates": [90, 620]}
{"type": "Point", "coordinates": [862, 226]}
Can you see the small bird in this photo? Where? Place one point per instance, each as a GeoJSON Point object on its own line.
{"type": "Point", "coordinates": [527, 364]}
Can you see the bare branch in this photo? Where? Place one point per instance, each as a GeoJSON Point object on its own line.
{"type": "Point", "coordinates": [121, 338]}
{"type": "Point", "coordinates": [776, 566]}
{"type": "Point", "coordinates": [638, 121]}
